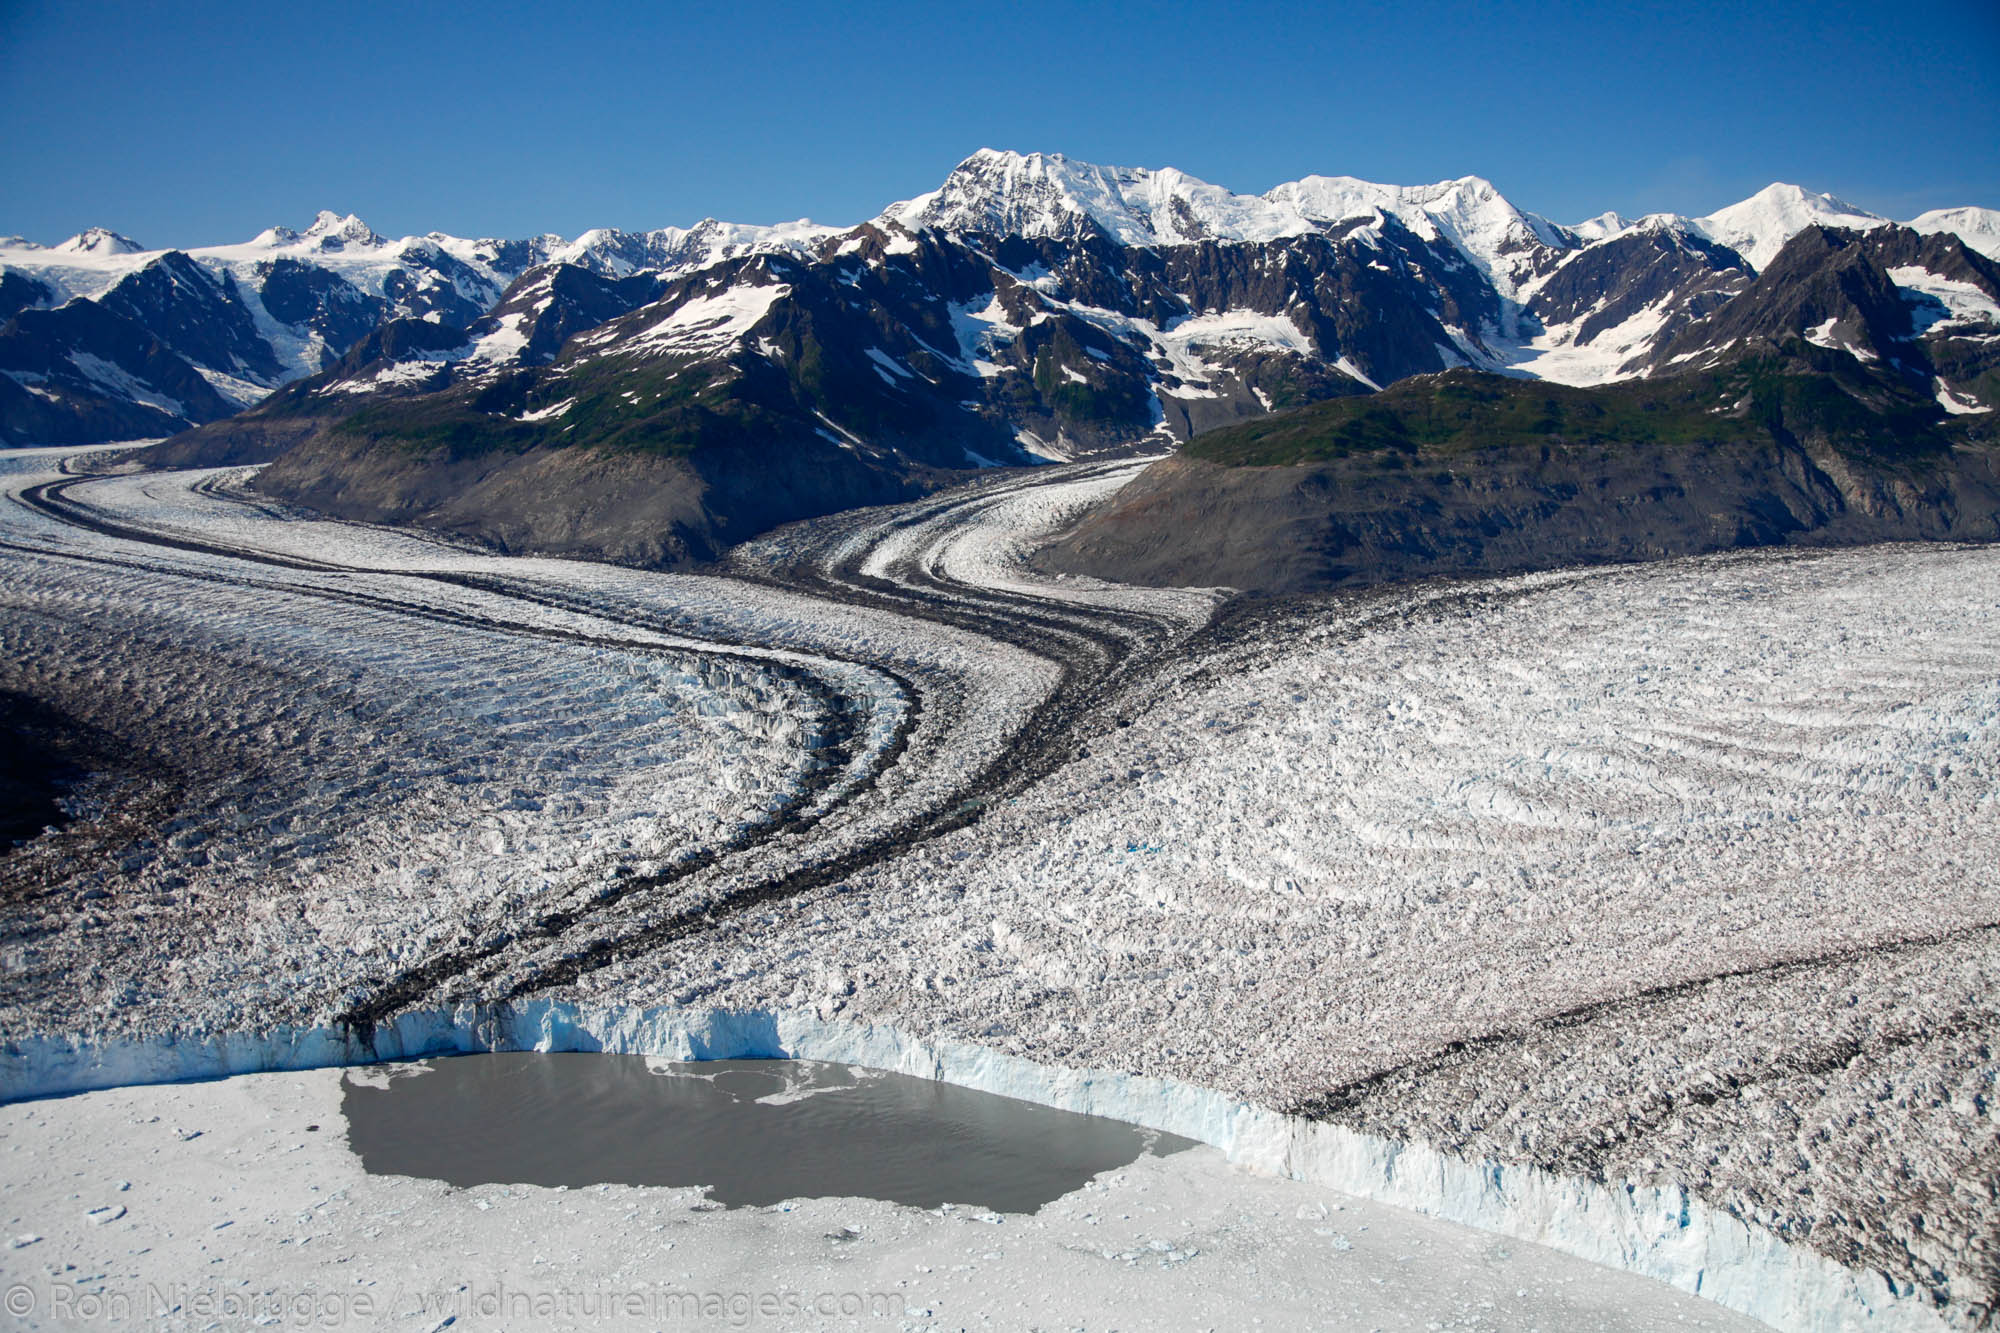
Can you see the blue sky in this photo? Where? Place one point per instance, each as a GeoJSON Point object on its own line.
{"type": "Point", "coordinates": [197, 122]}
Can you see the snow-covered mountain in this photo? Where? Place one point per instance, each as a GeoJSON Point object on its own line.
{"type": "Point", "coordinates": [1582, 304]}
{"type": "Point", "coordinates": [1048, 196]}
{"type": "Point", "coordinates": [1924, 308]}
{"type": "Point", "coordinates": [1758, 227]}
{"type": "Point", "coordinates": [102, 329]}
{"type": "Point", "coordinates": [417, 276]}
{"type": "Point", "coordinates": [1183, 304]}
{"type": "Point", "coordinates": [99, 241]}
{"type": "Point", "coordinates": [1038, 195]}
{"type": "Point", "coordinates": [249, 317]}
{"type": "Point", "coordinates": [620, 254]}
{"type": "Point", "coordinates": [1979, 228]}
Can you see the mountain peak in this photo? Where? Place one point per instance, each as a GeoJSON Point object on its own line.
{"type": "Point", "coordinates": [1787, 195]}
{"type": "Point", "coordinates": [1758, 227]}
{"type": "Point", "coordinates": [1027, 194]}
{"type": "Point", "coordinates": [1469, 212]}
{"type": "Point", "coordinates": [100, 241]}
{"type": "Point", "coordinates": [1048, 195]}
{"type": "Point", "coordinates": [1006, 156]}
{"type": "Point", "coordinates": [1602, 227]}
{"type": "Point", "coordinates": [333, 231]}
{"type": "Point", "coordinates": [1977, 227]}
{"type": "Point", "coordinates": [614, 253]}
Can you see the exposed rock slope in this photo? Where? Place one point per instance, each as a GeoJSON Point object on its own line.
{"type": "Point", "coordinates": [1472, 473]}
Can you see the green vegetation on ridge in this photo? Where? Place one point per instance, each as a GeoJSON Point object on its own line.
{"type": "Point", "coordinates": [1794, 392]}
{"type": "Point", "coordinates": [668, 409]}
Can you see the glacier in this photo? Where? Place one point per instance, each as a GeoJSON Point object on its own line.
{"type": "Point", "coordinates": [1552, 905]}
{"type": "Point", "coordinates": [1654, 1232]}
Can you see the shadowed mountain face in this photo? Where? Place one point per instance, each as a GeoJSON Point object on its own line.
{"type": "Point", "coordinates": [82, 373]}
{"type": "Point", "coordinates": [1925, 308]}
{"type": "Point", "coordinates": [1652, 281]}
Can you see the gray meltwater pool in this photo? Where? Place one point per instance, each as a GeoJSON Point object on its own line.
{"type": "Point", "coordinates": [753, 1131]}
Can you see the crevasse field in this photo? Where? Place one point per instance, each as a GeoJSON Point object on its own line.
{"type": "Point", "coordinates": [1678, 878]}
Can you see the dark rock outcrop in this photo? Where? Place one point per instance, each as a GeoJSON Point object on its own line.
{"type": "Point", "coordinates": [199, 314]}
{"type": "Point", "coordinates": [80, 373]}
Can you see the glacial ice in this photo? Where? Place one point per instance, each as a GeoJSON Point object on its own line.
{"type": "Point", "coordinates": [1646, 912]}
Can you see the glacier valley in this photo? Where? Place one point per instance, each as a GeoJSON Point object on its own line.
{"type": "Point", "coordinates": [1551, 906]}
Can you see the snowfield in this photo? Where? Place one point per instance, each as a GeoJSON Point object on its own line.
{"type": "Point", "coordinates": [1539, 903]}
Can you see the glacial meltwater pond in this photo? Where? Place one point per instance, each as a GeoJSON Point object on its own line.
{"type": "Point", "coordinates": [753, 1132]}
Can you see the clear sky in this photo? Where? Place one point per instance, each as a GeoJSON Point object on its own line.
{"type": "Point", "coordinates": [192, 122]}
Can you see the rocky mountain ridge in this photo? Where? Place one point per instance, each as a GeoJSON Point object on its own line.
{"type": "Point", "coordinates": [249, 318]}
{"type": "Point", "coordinates": [1838, 397]}
{"type": "Point", "coordinates": [1509, 288]}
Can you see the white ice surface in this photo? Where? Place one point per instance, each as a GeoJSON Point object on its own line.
{"type": "Point", "coordinates": [257, 1213]}
{"type": "Point", "coordinates": [1555, 354]}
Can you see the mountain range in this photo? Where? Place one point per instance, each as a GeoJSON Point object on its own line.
{"type": "Point", "coordinates": [656, 396]}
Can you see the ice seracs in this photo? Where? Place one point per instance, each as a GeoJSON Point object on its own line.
{"type": "Point", "coordinates": [1485, 881]}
